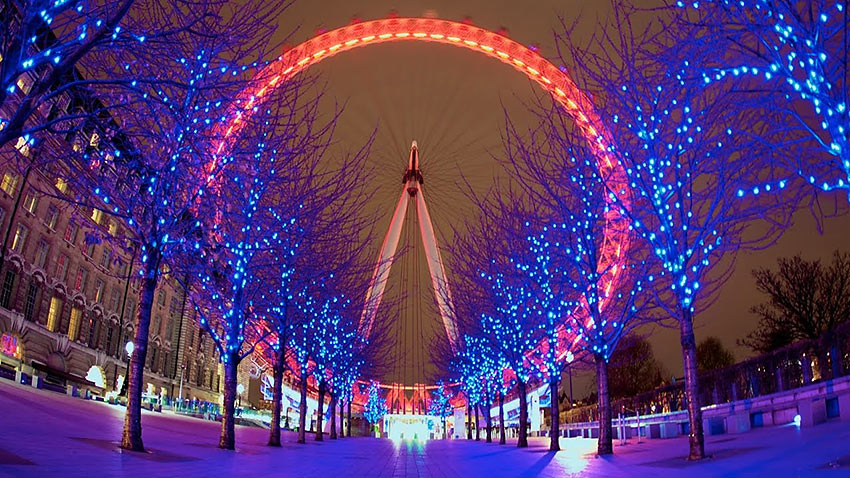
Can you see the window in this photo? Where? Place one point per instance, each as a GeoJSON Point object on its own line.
{"type": "Point", "coordinates": [31, 202]}
{"type": "Point", "coordinates": [52, 217]}
{"type": "Point", "coordinates": [41, 253]}
{"type": "Point", "coordinates": [106, 258]}
{"type": "Point", "coordinates": [166, 365]}
{"type": "Point", "coordinates": [61, 267]}
{"type": "Point", "coordinates": [154, 351]}
{"type": "Point", "coordinates": [113, 227]}
{"type": "Point", "coordinates": [62, 103]}
{"type": "Point", "coordinates": [115, 299]}
{"type": "Point", "coordinates": [94, 326]}
{"type": "Point", "coordinates": [29, 304]}
{"type": "Point", "coordinates": [80, 280]}
{"type": "Point", "coordinates": [74, 325]}
{"type": "Point", "coordinates": [174, 308]}
{"type": "Point", "coordinates": [25, 82]}
{"type": "Point", "coordinates": [6, 290]}
{"type": "Point", "coordinates": [62, 185]}
{"type": "Point", "coordinates": [157, 325]}
{"type": "Point", "coordinates": [54, 313]}
{"type": "Point", "coordinates": [110, 334]}
{"type": "Point", "coordinates": [20, 238]}
{"type": "Point", "coordinates": [98, 290]}
{"type": "Point", "coordinates": [120, 351]}
{"type": "Point", "coordinates": [23, 146]}
{"type": "Point", "coordinates": [130, 311]}
{"type": "Point", "coordinates": [71, 232]}
{"type": "Point", "coordinates": [160, 298]}
{"type": "Point", "coordinates": [97, 216]}
{"type": "Point", "coordinates": [89, 252]}
{"type": "Point", "coordinates": [9, 184]}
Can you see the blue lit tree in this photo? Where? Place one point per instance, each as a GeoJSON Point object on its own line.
{"type": "Point", "coordinates": [441, 405]}
{"type": "Point", "coordinates": [589, 294]}
{"type": "Point", "coordinates": [492, 381]}
{"type": "Point", "coordinates": [304, 343]}
{"type": "Point", "coordinates": [45, 45]}
{"type": "Point", "coordinates": [375, 407]}
{"type": "Point", "coordinates": [153, 172]}
{"type": "Point", "coordinates": [507, 310]}
{"type": "Point", "coordinates": [467, 366]}
{"type": "Point", "coordinates": [324, 343]}
{"type": "Point", "coordinates": [241, 257]}
{"type": "Point", "coordinates": [687, 154]}
{"type": "Point", "coordinates": [787, 54]}
{"type": "Point", "coordinates": [324, 205]}
{"type": "Point", "coordinates": [480, 373]}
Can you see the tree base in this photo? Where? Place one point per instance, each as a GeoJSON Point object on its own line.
{"type": "Point", "coordinates": [132, 445]}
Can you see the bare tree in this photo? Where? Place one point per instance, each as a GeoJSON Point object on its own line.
{"type": "Point", "coordinates": [806, 299]}
{"type": "Point", "coordinates": [712, 355]}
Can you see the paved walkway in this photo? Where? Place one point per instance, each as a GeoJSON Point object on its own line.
{"type": "Point", "coordinates": [45, 434]}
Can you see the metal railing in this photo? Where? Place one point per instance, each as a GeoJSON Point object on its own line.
{"type": "Point", "coordinates": [793, 366]}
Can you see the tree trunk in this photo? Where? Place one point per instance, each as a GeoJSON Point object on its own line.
{"type": "Point", "coordinates": [332, 417]}
{"type": "Point", "coordinates": [555, 425]}
{"type": "Point", "coordinates": [302, 410]}
{"type": "Point", "coordinates": [501, 418]}
{"type": "Point", "coordinates": [131, 438]}
{"type": "Point", "coordinates": [477, 422]}
{"type": "Point", "coordinates": [342, 418]}
{"type": "Point", "coordinates": [522, 441]}
{"type": "Point", "coordinates": [320, 411]}
{"type": "Point", "coordinates": [277, 400]}
{"type": "Point", "coordinates": [348, 412]}
{"type": "Point", "coordinates": [228, 428]}
{"type": "Point", "coordinates": [468, 420]}
{"type": "Point", "coordinates": [605, 444]}
{"type": "Point", "coordinates": [488, 420]}
{"type": "Point", "coordinates": [696, 439]}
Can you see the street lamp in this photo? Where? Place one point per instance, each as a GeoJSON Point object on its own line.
{"type": "Point", "coordinates": [129, 347]}
{"type": "Point", "coordinates": [182, 372]}
{"type": "Point", "coordinates": [570, 358]}
{"type": "Point", "coordinates": [239, 389]}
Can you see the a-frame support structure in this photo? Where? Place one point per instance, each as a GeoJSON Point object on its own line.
{"type": "Point", "coordinates": [411, 191]}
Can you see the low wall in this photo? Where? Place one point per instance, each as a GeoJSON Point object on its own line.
{"type": "Point", "coordinates": [807, 406]}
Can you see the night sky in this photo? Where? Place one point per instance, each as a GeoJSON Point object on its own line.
{"type": "Point", "coordinates": [453, 103]}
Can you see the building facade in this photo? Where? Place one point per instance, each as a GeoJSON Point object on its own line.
{"type": "Point", "coordinates": [69, 297]}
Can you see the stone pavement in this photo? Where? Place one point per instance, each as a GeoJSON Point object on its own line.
{"type": "Point", "coordinates": [44, 434]}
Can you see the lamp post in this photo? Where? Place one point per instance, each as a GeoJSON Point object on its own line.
{"type": "Point", "coordinates": [180, 390]}
{"type": "Point", "coordinates": [129, 347]}
{"type": "Point", "coordinates": [239, 389]}
{"type": "Point", "coordinates": [570, 359]}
